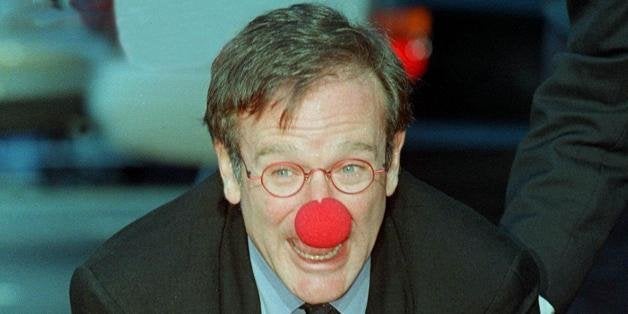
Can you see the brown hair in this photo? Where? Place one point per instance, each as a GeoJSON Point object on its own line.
{"type": "Point", "coordinates": [291, 48]}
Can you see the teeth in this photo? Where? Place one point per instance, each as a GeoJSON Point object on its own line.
{"type": "Point", "coordinates": [317, 257]}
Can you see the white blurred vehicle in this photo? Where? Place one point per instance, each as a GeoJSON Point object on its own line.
{"type": "Point", "coordinates": [150, 105]}
{"type": "Point", "coordinates": [45, 58]}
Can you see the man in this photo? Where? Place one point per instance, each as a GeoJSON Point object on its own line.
{"type": "Point", "coordinates": [568, 191]}
{"type": "Point", "coordinates": [312, 211]}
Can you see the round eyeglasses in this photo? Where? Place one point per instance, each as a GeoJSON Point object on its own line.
{"type": "Point", "coordinates": [285, 179]}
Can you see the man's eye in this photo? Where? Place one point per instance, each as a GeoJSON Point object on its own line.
{"type": "Point", "coordinates": [351, 168]}
{"type": "Point", "coordinates": [283, 172]}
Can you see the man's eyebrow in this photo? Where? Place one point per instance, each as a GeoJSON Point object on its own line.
{"type": "Point", "coordinates": [353, 146]}
{"type": "Point", "coordinates": [274, 149]}
{"type": "Point", "coordinates": [348, 146]}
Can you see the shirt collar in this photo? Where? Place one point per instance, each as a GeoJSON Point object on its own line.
{"type": "Point", "coordinates": [275, 297]}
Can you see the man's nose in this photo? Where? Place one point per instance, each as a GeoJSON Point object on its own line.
{"type": "Point", "coordinates": [319, 186]}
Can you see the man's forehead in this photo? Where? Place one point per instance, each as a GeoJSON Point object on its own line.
{"type": "Point", "coordinates": [343, 112]}
{"type": "Point", "coordinates": [285, 106]}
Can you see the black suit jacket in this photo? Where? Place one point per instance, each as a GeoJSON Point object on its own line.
{"type": "Point", "coordinates": [569, 181]}
{"type": "Point", "coordinates": [433, 255]}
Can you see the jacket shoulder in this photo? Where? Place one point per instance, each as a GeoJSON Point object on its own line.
{"type": "Point", "coordinates": [166, 257]}
{"type": "Point", "coordinates": [456, 257]}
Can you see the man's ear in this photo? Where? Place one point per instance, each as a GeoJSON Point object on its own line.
{"type": "Point", "coordinates": [392, 176]}
{"type": "Point", "coordinates": [231, 186]}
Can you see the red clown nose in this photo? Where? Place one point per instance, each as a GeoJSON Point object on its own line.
{"type": "Point", "coordinates": [323, 224]}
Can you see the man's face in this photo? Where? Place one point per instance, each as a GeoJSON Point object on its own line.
{"type": "Point", "coordinates": [340, 117]}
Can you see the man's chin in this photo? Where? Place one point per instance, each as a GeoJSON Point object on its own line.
{"type": "Point", "coordinates": [323, 286]}
{"type": "Point", "coordinates": [322, 293]}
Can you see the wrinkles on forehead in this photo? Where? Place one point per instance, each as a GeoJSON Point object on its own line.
{"type": "Point", "coordinates": [290, 93]}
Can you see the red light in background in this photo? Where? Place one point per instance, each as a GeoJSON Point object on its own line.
{"type": "Point", "coordinates": [413, 54]}
{"type": "Point", "coordinates": [409, 30]}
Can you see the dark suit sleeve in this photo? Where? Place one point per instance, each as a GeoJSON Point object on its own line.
{"type": "Point", "coordinates": [520, 289]}
{"type": "Point", "coordinates": [568, 182]}
{"type": "Point", "coordinates": [88, 296]}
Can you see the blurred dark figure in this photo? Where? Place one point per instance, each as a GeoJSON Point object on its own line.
{"type": "Point", "coordinates": [98, 15]}
{"type": "Point", "coordinates": [568, 190]}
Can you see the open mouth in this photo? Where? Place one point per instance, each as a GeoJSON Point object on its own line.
{"type": "Point", "coordinates": [313, 254]}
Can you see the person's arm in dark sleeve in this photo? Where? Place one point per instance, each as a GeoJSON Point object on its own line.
{"type": "Point", "coordinates": [568, 184]}
{"type": "Point", "coordinates": [87, 295]}
{"type": "Point", "coordinates": [520, 290]}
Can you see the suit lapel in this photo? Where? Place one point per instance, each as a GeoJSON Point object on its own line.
{"type": "Point", "coordinates": [238, 292]}
{"type": "Point", "coordinates": [390, 290]}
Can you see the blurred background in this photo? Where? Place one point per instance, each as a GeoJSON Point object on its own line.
{"type": "Point", "coordinates": [101, 104]}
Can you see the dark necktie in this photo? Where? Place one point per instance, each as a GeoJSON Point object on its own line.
{"type": "Point", "coordinates": [324, 308]}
